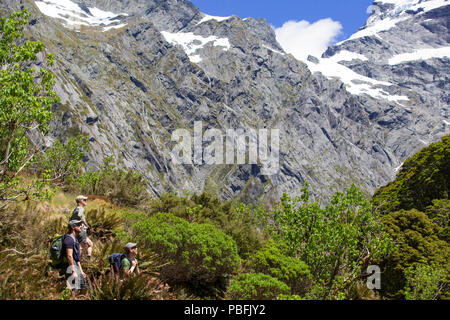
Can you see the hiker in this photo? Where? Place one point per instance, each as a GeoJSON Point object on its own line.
{"type": "Point", "coordinates": [130, 263]}
{"type": "Point", "coordinates": [125, 262]}
{"type": "Point", "coordinates": [71, 250]}
{"type": "Point", "coordinates": [78, 214]}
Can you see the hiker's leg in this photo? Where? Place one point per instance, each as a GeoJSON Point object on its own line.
{"type": "Point", "coordinates": [82, 239]}
{"type": "Point", "coordinates": [89, 244]}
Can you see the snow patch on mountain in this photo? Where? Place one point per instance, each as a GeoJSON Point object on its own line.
{"type": "Point", "coordinates": [74, 15]}
{"type": "Point", "coordinates": [345, 55]}
{"type": "Point", "coordinates": [272, 49]}
{"type": "Point", "coordinates": [355, 83]}
{"type": "Point", "coordinates": [421, 54]}
{"type": "Point", "coordinates": [383, 20]}
{"type": "Point", "coordinates": [401, 6]}
{"type": "Point", "coordinates": [191, 42]}
{"type": "Point", "coordinates": [207, 17]}
{"type": "Point", "coordinates": [377, 27]}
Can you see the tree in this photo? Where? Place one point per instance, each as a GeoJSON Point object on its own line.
{"type": "Point", "coordinates": [425, 282]}
{"type": "Point", "coordinates": [63, 161]}
{"type": "Point", "coordinates": [335, 242]}
{"type": "Point", "coordinates": [424, 177]}
{"type": "Point", "coordinates": [418, 243]}
{"type": "Point", "coordinates": [439, 212]}
{"type": "Point", "coordinates": [26, 99]}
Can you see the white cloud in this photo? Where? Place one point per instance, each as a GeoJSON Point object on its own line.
{"type": "Point", "coordinates": [303, 38]}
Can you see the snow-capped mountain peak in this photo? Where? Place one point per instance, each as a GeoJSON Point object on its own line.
{"type": "Point", "coordinates": [368, 104]}
{"type": "Point", "coordinates": [386, 14]}
{"type": "Point", "coordinates": [75, 15]}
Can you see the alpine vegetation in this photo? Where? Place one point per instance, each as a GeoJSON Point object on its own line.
{"type": "Point", "coordinates": [206, 161]}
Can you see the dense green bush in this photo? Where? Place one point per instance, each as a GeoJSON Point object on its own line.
{"type": "Point", "coordinates": [239, 221]}
{"type": "Point", "coordinates": [439, 212]}
{"type": "Point", "coordinates": [423, 178]}
{"type": "Point", "coordinates": [197, 255]}
{"type": "Point", "coordinates": [256, 286]}
{"type": "Point", "coordinates": [271, 260]}
{"type": "Point", "coordinates": [416, 237]}
{"type": "Point", "coordinates": [336, 242]}
{"type": "Point", "coordinates": [426, 282]}
{"type": "Point", "coordinates": [416, 210]}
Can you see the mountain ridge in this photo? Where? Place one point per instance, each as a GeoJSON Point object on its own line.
{"type": "Point", "coordinates": [129, 88]}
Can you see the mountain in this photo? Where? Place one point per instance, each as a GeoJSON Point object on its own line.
{"type": "Point", "coordinates": [405, 43]}
{"type": "Point", "coordinates": [130, 73]}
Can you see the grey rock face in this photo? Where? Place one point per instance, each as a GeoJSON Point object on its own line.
{"type": "Point", "coordinates": [170, 66]}
{"type": "Point", "coordinates": [409, 56]}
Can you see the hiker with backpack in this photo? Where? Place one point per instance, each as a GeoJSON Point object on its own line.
{"type": "Point", "coordinates": [78, 214]}
{"type": "Point", "coordinates": [76, 278]}
{"type": "Point", "coordinates": [125, 262]}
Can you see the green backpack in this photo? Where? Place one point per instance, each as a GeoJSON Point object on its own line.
{"type": "Point", "coordinates": [57, 255]}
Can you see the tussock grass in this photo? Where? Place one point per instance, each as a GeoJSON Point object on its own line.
{"type": "Point", "coordinates": [25, 230]}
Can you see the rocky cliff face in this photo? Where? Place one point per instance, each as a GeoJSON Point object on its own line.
{"type": "Point", "coordinates": [406, 44]}
{"type": "Point", "coordinates": [132, 72]}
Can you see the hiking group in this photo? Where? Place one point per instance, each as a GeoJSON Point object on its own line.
{"type": "Point", "coordinates": [67, 250]}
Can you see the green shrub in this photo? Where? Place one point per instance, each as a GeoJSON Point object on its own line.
{"type": "Point", "coordinates": [272, 261]}
{"type": "Point", "coordinates": [85, 183]}
{"type": "Point", "coordinates": [64, 161]}
{"type": "Point", "coordinates": [256, 286]}
{"type": "Point", "coordinates": [439, 212]}
{"type": "Point", "coordinates": [198, 255]}
{"type": "Point", "coordinates": [126, 188]}
{"type": "Point", "coordinates": [239, 221]}
{"type": "Point", "coordinates": [122, 187]}
{"type": "Point", "coordinates": [425, 282]}
{"type": "Point", "coordinates": [423, 178]}
{"type": "Point", "coordinates": [417, 242]}
{"type": "Point", "coordinates": [336, 241]}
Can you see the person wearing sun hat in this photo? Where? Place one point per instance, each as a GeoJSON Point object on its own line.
{"type": "Point", "coordinates": [78, 214]}
{"type": "Point", "coordinates": [129, 262]}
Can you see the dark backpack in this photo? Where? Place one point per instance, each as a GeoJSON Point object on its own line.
{"type": "Point", "coordinates": [56, 252]}
{"type": "Point", "coordinates": [115, 260]}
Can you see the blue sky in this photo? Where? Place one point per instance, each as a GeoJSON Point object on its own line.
{"type": "Point", "coordinates": [350, 13]}
{"type": "Point", "coordinates": [302, 27]}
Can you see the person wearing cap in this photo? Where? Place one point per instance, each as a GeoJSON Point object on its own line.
{"type": "Point", "coordinates": [78, 214]}
{"type": "Point", "coordinates": [129, 262]}
{"type": "Point", "coordinates": [71, 249]}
